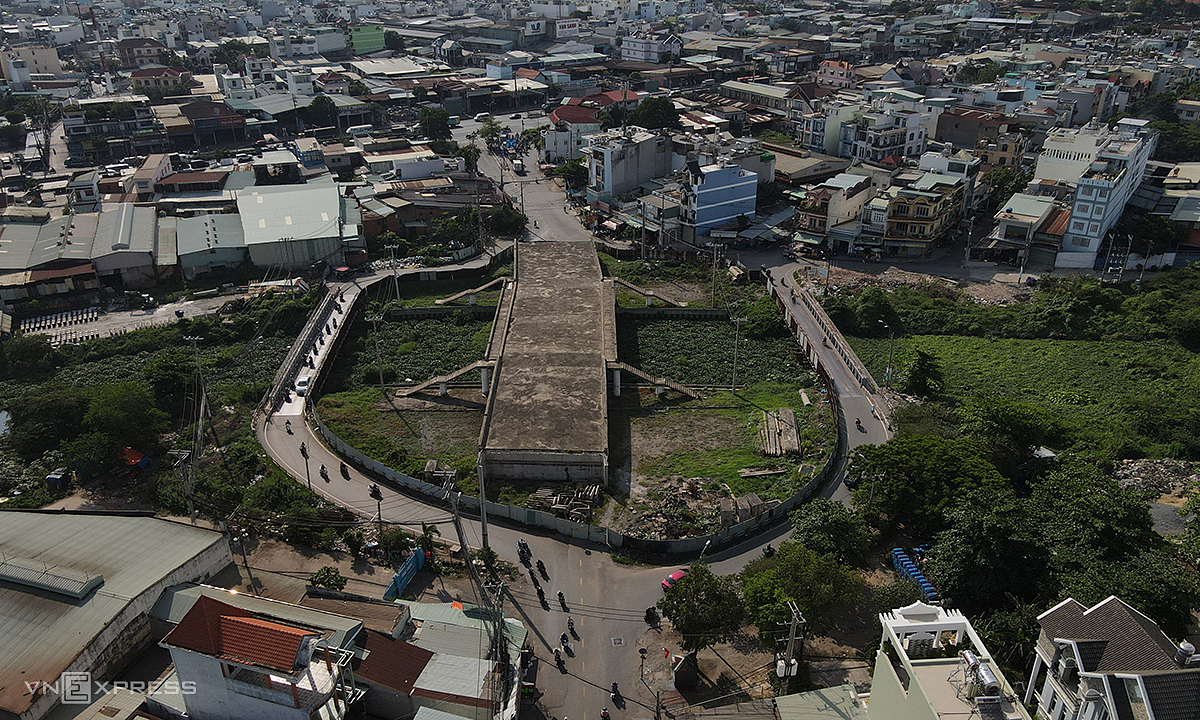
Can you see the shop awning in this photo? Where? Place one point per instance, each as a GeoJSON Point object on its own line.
{"type": "Point", "coordinates": [610, 225]}
{"type": "Point", "coordinates": [808, 238]}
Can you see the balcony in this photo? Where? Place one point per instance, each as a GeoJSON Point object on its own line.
{"type": "Point", "coordinates": [312, 689]}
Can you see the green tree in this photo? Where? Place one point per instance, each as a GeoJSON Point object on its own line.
{"type": "Point", "coordinates": [504, 219]}
{"type": "Point", "coordinates": [394, 542]}
{"type": "Point", "coordinates": [328, 577]}
{"type": "Point", "coordinates": [574, 172]}
{"type": "Point", "coordinates": [470, 155]}
{"type": "Point", "coordinates": [1004, 182]}
{"type": "Point", "coordinates": [231, 53]}
{"type": "Point", "coordinates": [487, 556]}
{"type": "Point", "coordinates": [124, 414]}
{"type": "Point", "coordinates": [28, 357]}
{"type": "Point", "coordinates": [490, 130]}
{"type": "Point", "coordinates": [322, 112]}
{"type": "Point", "coordinates": [45, 417]}
{"type": "Point", "coordinates": [924, 378]}
{"type": "Point", "coordinates": [427, 540]}
{"type": "Point", "coordinates": [656, 113]}
{"type": "Point", "coordinates": [358, 88]}
{"type": "Point", "coordinates": [392, 40]}
{"type": "Point", "coordinates": [355, 541]}
{"type": "Point", "coordinates": [828, 527]}
{"type": "Point", "coordinates": [171, 375]}
{"type": "Point", "coordinates": [818, 584]}
{"type": "Point", "coordinates": [916, 481]}
{"type": "Point", "coordinates": [705, 609]}
{"type": "Point", "coordinates": [1011, 429]}
{"type": "Point", "coordinates": [435, 124]}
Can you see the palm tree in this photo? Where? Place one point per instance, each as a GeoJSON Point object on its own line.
{"type": "Point", "coordinates": [426, 540]}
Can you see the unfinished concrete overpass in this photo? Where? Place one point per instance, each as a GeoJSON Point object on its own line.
{"type": "Point", "coordinates": [547, 414]}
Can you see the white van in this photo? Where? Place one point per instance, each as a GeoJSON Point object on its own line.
{"type": "Point", "coordinates": [482, 116]}
{"type": "Point", "coordinates": [302, 384]}
{"type": "Point", "coordinates": [359, 130]}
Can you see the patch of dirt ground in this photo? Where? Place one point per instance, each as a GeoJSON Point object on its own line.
{"type": "Point", "coordinates": [893, 277]}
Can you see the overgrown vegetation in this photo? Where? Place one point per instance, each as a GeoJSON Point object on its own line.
{"type": "Point", "coordinates": [79, 406]}
{"type": "Point", "coordinates": [1097, 374]}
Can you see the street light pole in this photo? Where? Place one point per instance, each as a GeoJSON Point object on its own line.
{"type": "Point", "coordinates": [887, 375]}
{"type": "Point", "coordinates": [304, 454]}
{"type": "Point", "coordinates": [395, 278]}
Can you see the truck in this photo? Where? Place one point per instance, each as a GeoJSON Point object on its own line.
{"type": "Point", "coordinates": [452, 121]}
{"type": "Point", "coordinates": [519, 166]}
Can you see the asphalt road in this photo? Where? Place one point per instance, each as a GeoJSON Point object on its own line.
{"type": "Point", "coordinates": [606, 599]}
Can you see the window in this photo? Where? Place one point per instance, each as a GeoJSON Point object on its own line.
{"type": "Point", "coordinates": [1086, 191]}
{"type": "Point", "coordinates": [1079, 241]}
{"type": "Point", "coordinates": [1102, 194]}
{"type": "Point", "coordinates": [922, 211]}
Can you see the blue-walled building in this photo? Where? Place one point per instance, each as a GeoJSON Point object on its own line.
{"type": "Point", "coordinates": [718, 194]}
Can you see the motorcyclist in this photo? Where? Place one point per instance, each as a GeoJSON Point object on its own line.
{"type": "Point", "coordinates": [604, 714]}
{"type": "Point", "coordinates": [571, 623]}
{"type": "Point", "coordinates": [562, 598]}
{"type": "Point", "coordinates": [541, 566]}
{"type": "Point", "coordinates": [564, 639]}
{"type": "Point", "coordinates": [288, 425]}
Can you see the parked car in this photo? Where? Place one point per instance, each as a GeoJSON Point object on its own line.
{"type": "Point", "coordinates": [673, 578]}
{"type": "Point", "coordinates": [515, 116]}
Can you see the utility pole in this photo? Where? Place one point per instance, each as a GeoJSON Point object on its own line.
{"type": "Point", "coordinates": [395, 278]}
{"type": "Point", "coordinates": [714, 275]}
{"type": "Point", "coordinates": [378, 496]}
{"type": "Point", "coordinates": [304, 454]}
{"type": "Point", "coordinates": [189, 473]}
{"type": "Point", "coordinates": [378, 356]}
{"type": "Point", "coordinates": [737, 327]}
{"type": "Point", "coordinates": [642, 213]}
{"type": "Point", "coordinates": [786, 665]}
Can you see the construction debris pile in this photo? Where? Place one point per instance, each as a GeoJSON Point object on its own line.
{"type": "Point", "coordinates": [573, 503]}
{"type": "Point", "coordinates": [678, 508]}
{"type": "Point", "coordinates": [1166, 477]}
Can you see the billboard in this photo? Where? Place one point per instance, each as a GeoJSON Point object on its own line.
{"type": "Point", "coordinates": [535, 27]}
{"type": "Point", "coordinates": [567, 27]}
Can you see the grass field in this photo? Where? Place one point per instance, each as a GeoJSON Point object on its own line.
{"type": "Point", "coordinates": [411, 350]}
{"type": "Point", "coordinates": [1112, 398]}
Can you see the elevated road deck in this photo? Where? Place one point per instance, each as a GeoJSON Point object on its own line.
{"type": "Point", "coordinates": [549, 412]}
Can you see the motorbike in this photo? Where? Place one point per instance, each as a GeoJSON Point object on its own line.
{"type": "Point", "coordinates": [562, 600]}
{"type": "Point", "coordinates": [324, 473]}
{"type": "Point", "coordinates": [565, 641]}
{"type": "Point", "coordinates": [651, 616]}
{"type": "Point", "coordinates": [345, 471]}
{"type": "Point", "coordinates": [288, 425]}
{"type": "Point", "coordinates": [571, 624]}
{"type": "Point", "coordinates": [615, 693]}
{"type": "Point", "coordinates": [604, 714]}
{"type": "Point", "coordinates": [541, 566]}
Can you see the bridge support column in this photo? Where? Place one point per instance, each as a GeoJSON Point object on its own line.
{"type": "Point", "coordinates": [649, 300]}
{"type": "Point", "coordinates": [616, 382]}
{"type": "Point", "coordinates": [658, 390]}
{"type": "Point", "coordinates": [483, 380]}
{"type": "Point", "coordinates": [471, 298]}
{"type": "Point", "coordinates": [442, 389]}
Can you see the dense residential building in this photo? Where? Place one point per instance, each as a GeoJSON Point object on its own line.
{"type": "Point", "coordinates": [922, 214]}
{"type": "Point", "coordinates": [1105, 167]}
{"type": "Point", "coordinates": [959, 164]}
{"type": "Point", "coordinates": [620, 161]}
{"type": "Point", "coordinates": [836, 74]}
{"type": "Point", "coordinates": [836, 201]}
{"type": "Point", "coordinates": [1110, 661]}
{"type": "Point", "coordinates": [820, 131]}
{"type": "Point", "coordinates": [569, 125]}
{"type": "Point", "coordinates": [1005, 150]}
{"type": "Point", "coordinates": [878, 136]}
{"type": "Point", "coordinates": [140, 52]}
{"type": "Point", "coordinates": [716, 194]}
{"type": "Point", "coordinates": [105, 127]}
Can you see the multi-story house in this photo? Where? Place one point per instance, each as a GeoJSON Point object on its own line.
{"type": "Point", "coordinates": [139, 52]}
{"type": "Point", "coordinates": [836, 201]}
{"type": "Point", "coordinates": [569, 125]}
{"type": "Point", "coordinates": [649, 49]}
{"type": "Point", "coordinates": [960, 164]}
{"type": "Point", "coordinates": [713, 195]}
{"type": "Point", "coordinates": [923, 213]}
{"type": "Point", "coordinates": [1109, 661]}
{"type": "Point", "coordinates": [620, 161]}
{"type": "Point", "coordinates": [100, 128]}
{"type": "Point", "coordinates": [1106, 167]}
{"type": "Point", "coordinates": [776, 99]}
{"type": "Point", "coordinates": [931, 665]}
{"type": "Point", "coordinates": [836, 74]}
{"type": "Point", "coordinates": [1005, 150]}
{"type": "Point", "coordinates": [160, 78]}
{"type": "Point", "coordinates": [876, 136]}
{"type": "Point", "coordinates": [820, 131]}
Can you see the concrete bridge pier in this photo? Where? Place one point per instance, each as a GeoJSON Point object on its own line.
{"type": "Point", "coordinates": [442, 389]}
{"type": "Point", "coordinates": [616, 382]}
{"type": "Point", "coordinates": [483, 380]}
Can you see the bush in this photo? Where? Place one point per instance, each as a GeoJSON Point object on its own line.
{"type": "Point", "coordinates": [328, 577]}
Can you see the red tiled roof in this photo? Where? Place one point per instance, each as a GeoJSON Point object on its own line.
{"type": "Point", "coordinates": [214, 628]}
{"type": "Point", "coordinates": [573, 114]}
{"type": "Point", "coordinates": [392, 663]}
{"type": "Point", "coordinates": [158, 72]}
{"type": "Point", "coordinates": [527, 73]}
{"type": "Point", "coordinates": [39, 275]}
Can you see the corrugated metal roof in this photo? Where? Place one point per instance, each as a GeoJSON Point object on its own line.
{"type": "Point", "coordinates": [298, 212]}
{"type": "Point", "coordinates": [42, 633]}
{"type": "Point", "coordinates": [206, 232]}
{"type": "Point", "coordinates": [36, 574]}
{"type": "Point", "coordinates": [834, 703]}
{"type": "Point", "coordinates": [454, 674]}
